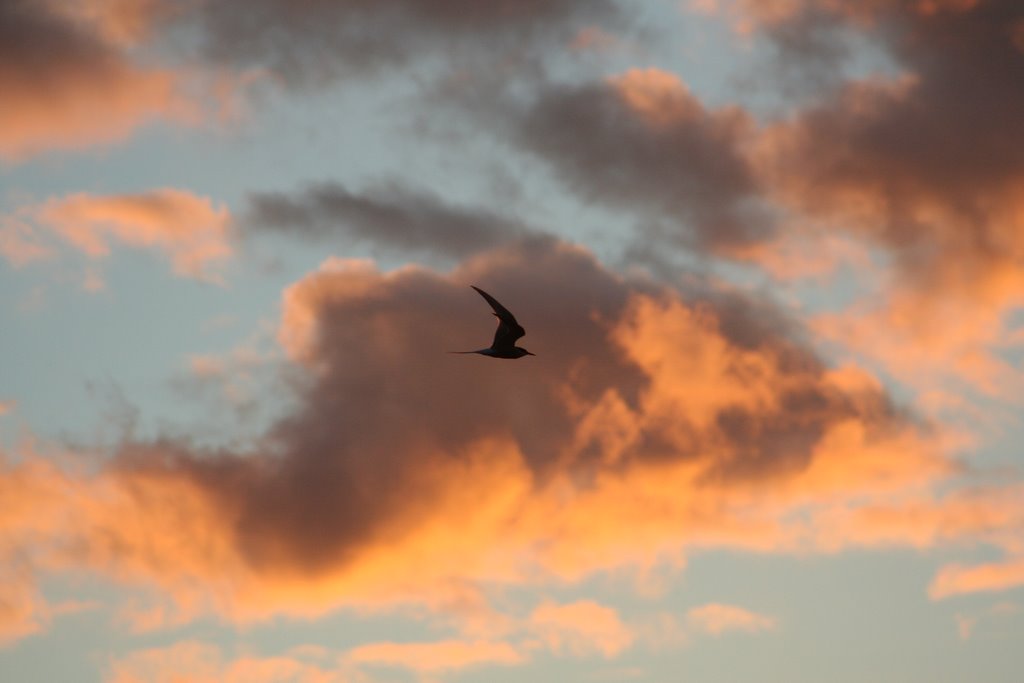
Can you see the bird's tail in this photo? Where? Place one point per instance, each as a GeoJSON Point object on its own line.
{"type": "Point", "coordinates": [463, 352]}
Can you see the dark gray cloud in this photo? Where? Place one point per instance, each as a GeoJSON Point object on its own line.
{"type": "Point", "coordinates": [389, 216]}
{"type": "Point", "coordinates": [318, 40]}
{"type": "Point", "coordinates": [688, 168]}
{"type": "Point", "coordinates": [38, 46]}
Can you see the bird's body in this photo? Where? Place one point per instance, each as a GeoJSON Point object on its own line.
{"type": "Point", "coordinates": [504, 344]}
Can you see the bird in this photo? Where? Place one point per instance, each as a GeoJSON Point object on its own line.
{"type": "Point", "coordinates": [505, 336]}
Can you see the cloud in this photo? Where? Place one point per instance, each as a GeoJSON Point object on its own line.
{"type": "Point", "coordinates": [927, 168]}
{"type": "Point", "coordinates": [23, 611]}
{"type": "Point", "coordinates": [666, 630]}
{"type": "Point", "coordinates": [389, 216]}
{"type": "Point", "coordinates": [434, 657]}
{"type": "Point", "coordinates": [716, 618]}
{"type": "Point", "coordinates": [51, 58]}
{"type": "Point", "coordinates": [989, 515]}
{"type": "Point", "coordinates": [967, 625]}
{"type": "Point", "coordinates": [956, 579]}
{"type": "Point", "coordinates": [187, 63]}
{"type": "Point", "coordinates": [206, 663]}
{"type": "Point", "coordinates": [18, 243]}
{"type": "Point", "coordinates": [324, 40]}
{"type": "Point", "coordinates": [643, 142]}
{"type": "Point", "coordinates": [31, 513]}
{"type": "Point", "coordinates": [120, 22]}
{"type": "Point", "coordinates": [653, 421]}
{"type": "Point", "coordinates": [187, 227]}
{"type": "Point", "coordinates": [917, 171]}
{"type": "Point", "coordinates": [580, 628]}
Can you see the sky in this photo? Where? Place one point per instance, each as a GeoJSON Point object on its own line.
{"type": "Point", "coordinates": [769, 256]}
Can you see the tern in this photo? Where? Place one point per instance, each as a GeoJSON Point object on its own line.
{"type": "Point", "coordinates": [504, 344]}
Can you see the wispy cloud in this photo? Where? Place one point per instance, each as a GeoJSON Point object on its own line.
{"type": "Point", "coordinates": [580, 628]}
{"type": "Point", "coordinates": [387, 216]}
{"type": "Point", "coordinates": [716, 619]}
{"type": "Point", "coordinates": [188, 228]}
{"type": "Point", "coordinates": [200, 662]}
{"type": "Point", "coordinates": [967, 625]}
{"type": "Point", "coordinates": [434, 657]}
{"type": "Point", "coordinates": [957, 579]}
{"type": "Point", "coordinates": [321, 42]}
{"type": "Point", "coordinates": [19, 244]}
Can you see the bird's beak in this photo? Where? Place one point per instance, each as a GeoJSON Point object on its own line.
{"type": "Point", "coordinates": [532, 354]}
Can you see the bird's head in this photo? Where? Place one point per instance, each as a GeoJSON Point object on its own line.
{"type": "Point", "coordinates": [520, 352]}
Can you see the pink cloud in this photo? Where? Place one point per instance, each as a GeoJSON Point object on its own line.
{"type": "Point", "coordinates": [73, 114]}
{"type": "Point", "coordinates": [435, 657]}
{"type": "Point", "coordinates": [188, 228]}
{"type": "Point", "coordinates": [595, 39]}
{"type": "Point", "coordinates": [581, 628]}
{"type": "Point", "coordinates": [19, 244]}
{"type": "Point", "coordinates": [199, 662]}
{"type": "Point", "coordinates": [716, 619]}
{"type": "Point", "coordinates": [23, 611]}
{"type": "Point", "coordinates": [956, 579]}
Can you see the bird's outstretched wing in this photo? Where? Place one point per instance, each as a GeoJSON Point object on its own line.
{"type": "Point", "coordinates": [508, 329]}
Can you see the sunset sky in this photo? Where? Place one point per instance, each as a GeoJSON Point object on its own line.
{"type": "Point", "coordinates": [769, 255]}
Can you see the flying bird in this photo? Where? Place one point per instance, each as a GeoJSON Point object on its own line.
{"type": "Point", "coordinates": [504, 344]}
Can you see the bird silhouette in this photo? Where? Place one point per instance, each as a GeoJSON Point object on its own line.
{"type": "Point", "coordinates": [504, 344]}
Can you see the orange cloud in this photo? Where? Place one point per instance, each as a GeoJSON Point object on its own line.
{"type": "Point", "coordinates": [32, 515]}
{"type": "Point", "coordinates": [22, 610]}
{"type": "Point", "coordinates": [205, 663]}
{"type": "Point", "coordinates": [53, 55]}
{"type": "Point", "coordinates": [716, 618]}
{"type": "Point", "coordinates": [932, 225]}
{"type": "Point", "coordinates": [72, 113]}
{"type": "Point", "coordinates": [580, 628]}
{"type": "Point", "coordinates": [802, 254]}
{"type": "Point", "coordinates": [655, 424]}
{"type": "Point", "coordinates": [657, 96]}
{"type": "Point", "coordinates": [189, 228]}
{"type": "Point", "coordinates": [941, 212]}
{"type": "Point", "coordinates": [303, 300]}
{"type": "Point", "coordinates": [445, 655]}
{"type": "Point", "coordinates": [18, 243]}
{"type": "Point", "coordinates": [996, 576]}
